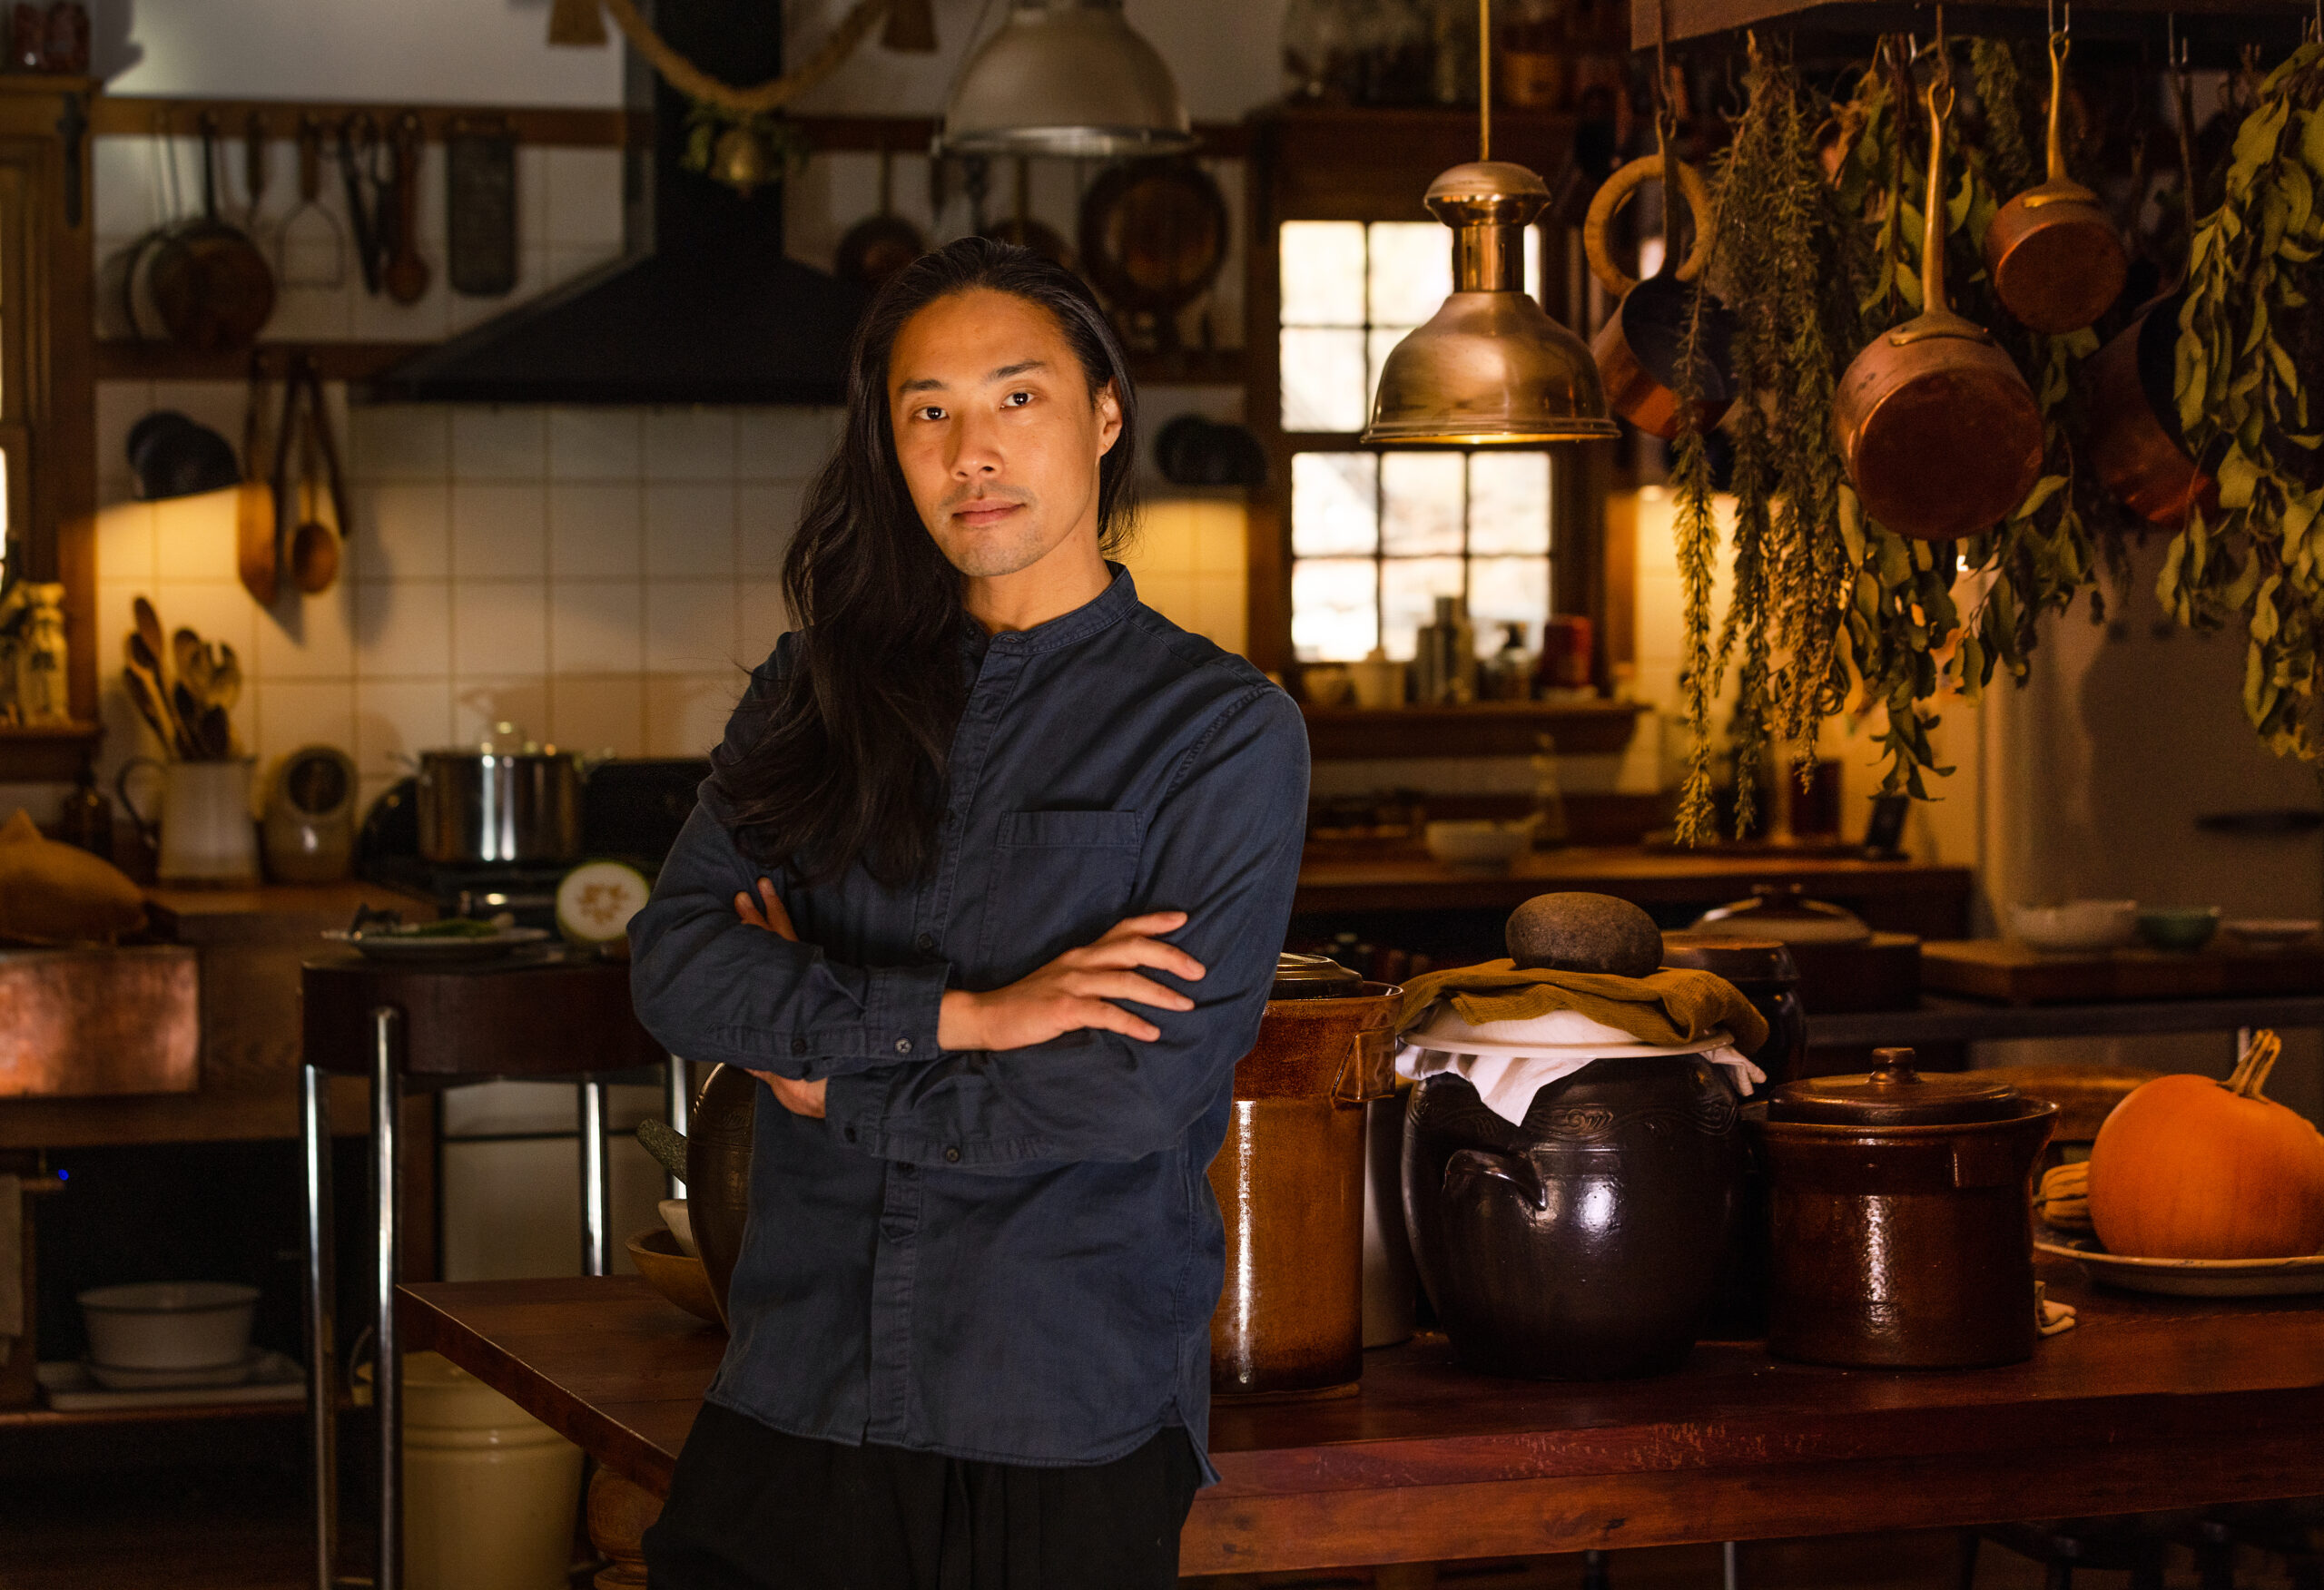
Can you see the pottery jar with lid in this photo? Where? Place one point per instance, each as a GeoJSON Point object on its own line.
{"type": "Point", "coordinates": [1289, 1181]}
{"type": "Point", "coordinates": [1899, 1219]}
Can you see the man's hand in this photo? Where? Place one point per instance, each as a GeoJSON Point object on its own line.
{"type": "Point", "coordinates": [1076, 992]}
{"type": "Point", "coordinates": [800, 1098]}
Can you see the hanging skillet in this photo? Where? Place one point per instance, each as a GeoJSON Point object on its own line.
{"type": "Point", "coordinates": [210, 283]}
{"type": "Point", "coordinates": [877, 246]}
{"type": "Point", "coordinates": [2131, 385]}
{"type": "Point", "coordinates": [1640, 346]}
{"type": "Point", "coordinates": [1940, 432]}
{"type": "Point", "coordinates": [2056, 260]}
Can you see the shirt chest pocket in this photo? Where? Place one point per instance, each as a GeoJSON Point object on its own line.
{"type": "Point", "coordinates": [1060, 879]}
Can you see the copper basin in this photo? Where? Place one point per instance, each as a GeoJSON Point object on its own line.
{"type": "Point", "coordinates": [92, 1022]}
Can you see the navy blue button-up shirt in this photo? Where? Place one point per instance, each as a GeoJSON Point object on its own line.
{"type": "Point", "coordinates": [1009, 1255]}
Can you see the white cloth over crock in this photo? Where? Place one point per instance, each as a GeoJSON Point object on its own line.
{"type": "Point", "coordinates": [1508, 1062]}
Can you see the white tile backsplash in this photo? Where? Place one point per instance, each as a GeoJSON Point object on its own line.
{"type": "Point", "coordinates": [690, 444]}
{"type": "Point", "coordinates": [500, 530]}
{"type": "Point", "coordinates": [690, 530]}
{"type": "Point", "coordinates": [403, 629]}
{"type": "Point", "coordinates": [500, 627]}
{"type": "Point", "coordinates": [499, 444]}
{"type": "Point", "coordinates": [595, 530]}
{"type": "Point", "coordinates": [597, 627]}
{"type": "Point", "coordinates": [690, 625]}
{"type": "Point", "coordinates": [597, 444]}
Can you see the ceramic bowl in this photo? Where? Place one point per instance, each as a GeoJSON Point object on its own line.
{"type": "Point", "coordinates": [2189, 927]}
{"type": "Point", "coordinates": [1482, 845]}
{"type": "Point", "coordinates": [2078, 926]}
{"type": "Point", "coordinates": [675, 1276]}
{"type": "Point", "coordinates": [2271, 932]}
{"type": "Point", "coordinates": [170, 1325]}
{"type": "Point", "coordinates": [681, 1223]}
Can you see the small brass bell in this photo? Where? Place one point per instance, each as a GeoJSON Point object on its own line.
{"type": "Point", "coordinates": [740, 159]}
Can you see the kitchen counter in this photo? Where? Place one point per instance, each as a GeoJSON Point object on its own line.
{"type": "Point", "coordinates": [1908, 896]}
{"type": "Point", "coordinates": [2149, 1403]}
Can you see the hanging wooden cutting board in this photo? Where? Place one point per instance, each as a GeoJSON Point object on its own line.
{"type": "Point", "coordinates": [258, 551]}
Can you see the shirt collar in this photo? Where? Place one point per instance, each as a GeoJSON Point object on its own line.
{"type": "Point", "coordinates": [1107, 608]}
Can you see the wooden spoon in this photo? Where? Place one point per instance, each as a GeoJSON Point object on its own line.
{"type": "Point", "coordinates": [406, 276]}
{"type": "Point", "coordinates": [314, 547]}
{"type": "Point", "coordinates": [148, 702]}
{"type": "Point", "coordinates": [193, 667]}
{"type": "Point", "coordinates": [149, 630]}
{"type": "Point", "coordinates": [225, 675]}
{"type": "Point", "coordinates": [146, 668]}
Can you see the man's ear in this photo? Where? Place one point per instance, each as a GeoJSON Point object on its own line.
{"type": "Point", "coordinates": [1109, 418]}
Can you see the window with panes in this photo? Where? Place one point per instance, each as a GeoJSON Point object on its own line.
{"type": "Point", "coordinates": [1377, 536]}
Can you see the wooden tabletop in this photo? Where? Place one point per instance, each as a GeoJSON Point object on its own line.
{"type": "Point", "coordinates": [2149, 1403]}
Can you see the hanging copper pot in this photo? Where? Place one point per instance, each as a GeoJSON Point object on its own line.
{"type": "Point", "coordinates": [1289, 1181]}
{"type": "Point", "coordinates": [1940, 432]}
{"type": "Point", "coordinates": [2130, 386]}
{"type": "Point", "coordinates": [2135, 440]}
{"type": "Point", "coordinates": [2056, 260]}
{"type": "Point", "coordinates": [1640, 347]}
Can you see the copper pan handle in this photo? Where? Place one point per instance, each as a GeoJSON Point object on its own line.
{"type": "Point", "coordinates": [2060, 46]}
{"type": "Point", "coordinates": [1932, 220]}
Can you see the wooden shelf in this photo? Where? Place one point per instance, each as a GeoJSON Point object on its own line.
{"type": "Point", "coordinates": [46, 753]}
{"type": "Point", "coordinates": [1480, 728]}
{"type": "Point", "coordinates": [49, 1418]}
{"type": "Point", "coordinates": [124, 359]}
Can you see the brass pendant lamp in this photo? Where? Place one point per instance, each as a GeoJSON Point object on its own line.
{"type": "Point", "coordinates": [1490, 369]}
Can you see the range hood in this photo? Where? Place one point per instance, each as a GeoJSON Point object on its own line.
{"type": "Point", "coordinates": [711, 312]}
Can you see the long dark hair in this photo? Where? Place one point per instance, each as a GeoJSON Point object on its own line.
{"type": "Point", "coordinates": [843, 760]}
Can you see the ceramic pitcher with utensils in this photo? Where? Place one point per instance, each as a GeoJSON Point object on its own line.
{"type": "Point", "coordinates": [201, 827]}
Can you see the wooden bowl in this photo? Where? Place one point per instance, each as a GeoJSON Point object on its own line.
{"type": "Point", "coordinates": [670, 1272]}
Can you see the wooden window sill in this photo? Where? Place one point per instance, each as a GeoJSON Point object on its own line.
{"type": "Point", "coordinates": [1478, 729]}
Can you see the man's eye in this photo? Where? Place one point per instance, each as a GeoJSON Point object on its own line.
{"type": "Point", "coordinates": [928, 411]}
{"type": "Point", "coordinates": [1018, 399]}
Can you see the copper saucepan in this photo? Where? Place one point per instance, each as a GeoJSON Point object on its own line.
{"type": "Point", "coordinates": [1940, 432]}
{"type": "Point", "coordinates": [2132, 387]}
{"type": "Point", "coordinates": [2056, 260]}
{"type": "Point", "coordinates": [1640, 346]}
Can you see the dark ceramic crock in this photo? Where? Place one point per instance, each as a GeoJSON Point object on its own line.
{"type": "Point", "coordinates": [1900, 1223]}
{"type": "Point", "coordinates": [1587, 1244]}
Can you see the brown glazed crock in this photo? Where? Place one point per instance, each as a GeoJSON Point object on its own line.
{"type": "Point", "coordinates": [1900, 1223]}
{"type": "Point", "coordinates": [1289, 1181]}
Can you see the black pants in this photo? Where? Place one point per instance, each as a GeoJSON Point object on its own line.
{"type": "Point", "coordinates": [750, 1508]}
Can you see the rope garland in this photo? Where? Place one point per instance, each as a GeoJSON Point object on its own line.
{"type": "Point", "coordinates": [688, 79]}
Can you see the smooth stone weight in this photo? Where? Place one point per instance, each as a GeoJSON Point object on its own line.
{"type": "Point", "coordinates": [1578, 932]}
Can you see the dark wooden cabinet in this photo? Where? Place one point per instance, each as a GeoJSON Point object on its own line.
{"type": "Point", "coordinates": [47, 388]}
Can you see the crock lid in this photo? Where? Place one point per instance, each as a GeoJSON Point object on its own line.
{"type": "Point", "coordinates": [1892, 1094]}
{"type": "Point", "coordinates": [1313, 976]}
{"type": "Point", "coordinates": [1739, 960]}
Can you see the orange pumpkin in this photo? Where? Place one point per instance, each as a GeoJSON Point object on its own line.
{"type": "Point", "coordinates": [2189, 1168]}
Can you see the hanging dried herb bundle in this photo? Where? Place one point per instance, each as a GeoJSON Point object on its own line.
{"type": "Point", "coordinates": [1777, 232]}
{"type": "Point", "coordinates": [2251, 328]}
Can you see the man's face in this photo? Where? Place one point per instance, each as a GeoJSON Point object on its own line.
{"type": "Point", "coordinates": [996, 430]}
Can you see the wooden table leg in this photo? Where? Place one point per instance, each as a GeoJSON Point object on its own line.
{"type": "Point", "coordinates": [620, 1513]}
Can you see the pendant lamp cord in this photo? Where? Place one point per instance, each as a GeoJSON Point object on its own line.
{"type": "Point", "coordinates": [1484, 80]}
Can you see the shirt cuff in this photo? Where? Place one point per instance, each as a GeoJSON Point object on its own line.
{"type": "Point", "coordinates": [900, 1016]}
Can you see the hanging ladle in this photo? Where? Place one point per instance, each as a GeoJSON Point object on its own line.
{"type": "Point", "coordinates": [1940, 432]}
{"type": "Point", "coordinates": [2056, 260]}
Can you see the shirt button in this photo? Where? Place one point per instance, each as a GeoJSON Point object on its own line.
{"type": "Point", "coordinates": [926, 942]}
{"type": "Point", "coordinates": [903, 1045]}
{"type": "Point", "coordinates": [798, 1046]}
{"type": "Point", "coordinates": [951, 1156]}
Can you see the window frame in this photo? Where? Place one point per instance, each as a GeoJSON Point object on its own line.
{"type": "Point", "coordinates": [1329, 164]}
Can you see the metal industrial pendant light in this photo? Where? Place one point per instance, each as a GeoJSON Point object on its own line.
{"type": "Point", "coordinates": [1066, 77]}
{"type": "Point", "coordinates": [1490, 369]}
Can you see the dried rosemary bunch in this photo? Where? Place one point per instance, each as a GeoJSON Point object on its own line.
{"type": "Point", "coordinates": [2251, 328]}
{"type": "Point", "coordinates": [1777, 232]}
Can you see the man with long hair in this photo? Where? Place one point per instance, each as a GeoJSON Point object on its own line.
{"type": "Point", "coordinates": [987, 884]}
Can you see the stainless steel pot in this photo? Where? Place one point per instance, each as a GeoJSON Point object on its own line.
{"type": "Point", "coordinates": [490, 806]}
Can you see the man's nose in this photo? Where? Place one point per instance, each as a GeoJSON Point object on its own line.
{"type": "Point", "coordinates": [976, 452]}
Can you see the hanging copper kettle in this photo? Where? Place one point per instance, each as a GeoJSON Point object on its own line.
{"type": "Point", "coordinates": [2056, 260]}
{"type": "Point", "coordinates": [1940, 432]}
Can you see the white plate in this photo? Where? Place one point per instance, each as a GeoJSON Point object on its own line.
{"type": "Point", "coordinates": [2194, 1278]}
{"type": "Point", "coordinates": [406, 946]}
{"type": "Point", "coordinates": [117, 1378]}
{"type": "Point", "coordinates": [70, 1389]}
